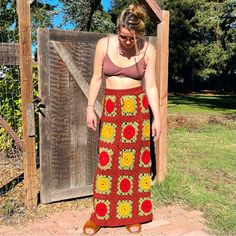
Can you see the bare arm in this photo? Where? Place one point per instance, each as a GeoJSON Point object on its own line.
{"type": "Point", "coordinates": [95, 83]}
{"type": "Point", "coordinates": [96, 79]}
{"type": "Point", "coordinates": [151, 89]}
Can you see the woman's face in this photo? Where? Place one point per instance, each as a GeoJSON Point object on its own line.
{"type": "Point", "coordinates": [127, 37]}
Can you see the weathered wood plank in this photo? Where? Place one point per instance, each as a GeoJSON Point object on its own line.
{"type": "Point", "coordinates": [30, 175]}
{"type": "Point", "coordinates": [162, 82]}
{"type": "Point", "coordinates": [9, 54]}
{"type": "Point", "coordinates": [30, 120]}
{"type": "Point", "coordinates": [78, 127]}
{"type": "Point", "coordinates": [44, 118]}
{"type": "Point", "coordinates": [63, 194]}
{"type": "Point", "coordinates": [68, 60]}
{"type": "Point", "coordinates": [75, 175]}
{"type": "Point", "coordinates": [75, 36]}
{"type": "Point", "coordinates": [60, 118]}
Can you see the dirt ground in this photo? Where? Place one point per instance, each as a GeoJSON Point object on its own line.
{"type": "Point", "coordinates": [167, 221]}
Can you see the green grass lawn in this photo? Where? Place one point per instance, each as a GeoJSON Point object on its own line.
{"type": "Point", "coordinates": [202, 161]}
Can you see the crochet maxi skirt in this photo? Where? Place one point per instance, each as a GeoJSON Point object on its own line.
{"type": "Point", "coordinates": [122, 182]}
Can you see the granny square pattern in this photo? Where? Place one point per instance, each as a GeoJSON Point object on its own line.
{"type": "Point", "coordinates": [122, 183]}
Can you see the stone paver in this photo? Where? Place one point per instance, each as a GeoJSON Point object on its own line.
{"type": "Point", "coordinates": [168, 221]}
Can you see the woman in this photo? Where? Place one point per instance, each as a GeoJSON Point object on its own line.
{"type": "Point", "coordinates": [122, 181]}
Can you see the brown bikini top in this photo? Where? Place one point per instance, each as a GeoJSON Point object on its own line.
{"type": "Point", "coordinates": [135, 71]}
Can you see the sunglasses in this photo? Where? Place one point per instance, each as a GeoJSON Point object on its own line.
{"type": "Point", "coordinates": [124, 38]}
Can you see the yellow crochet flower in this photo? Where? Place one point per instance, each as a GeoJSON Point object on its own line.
{"type": "Point", "coordinates": [124, 209]}
{"type": "Point", "coordinates": [129, 105]}
{"type": "Point", "coordinates": [146, 129]}
{"type": "Point", "coordinates": [127, 159]}
{"type": "Point", "coordinates": [107, 131]}
{"type": "Point", "coordinates": [145, 183]}
{"type": "Point", "coordinates": [103, 183]}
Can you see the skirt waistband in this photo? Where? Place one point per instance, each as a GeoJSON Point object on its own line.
{"type": "Point", "coordinates": [135, 90]}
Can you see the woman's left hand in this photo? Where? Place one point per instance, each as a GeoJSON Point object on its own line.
{"type": "Point", "coordinates": [156, 129]}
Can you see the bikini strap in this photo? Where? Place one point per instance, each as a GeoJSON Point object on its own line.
{"type": "Point", "coordinates": [146, 49]}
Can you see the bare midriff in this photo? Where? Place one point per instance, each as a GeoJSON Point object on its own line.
{"type": "Point", "coordinates": [118, 82]}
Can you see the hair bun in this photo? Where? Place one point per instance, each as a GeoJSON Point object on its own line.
{"type": "Point", "coordinates": [138, 11]}
{"type": "Point", "coordinates": [133, 18]}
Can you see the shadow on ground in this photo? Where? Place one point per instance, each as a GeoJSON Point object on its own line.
{"type": "Point", "coordinates": [213, 101]}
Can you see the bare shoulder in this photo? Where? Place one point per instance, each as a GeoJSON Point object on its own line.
{"type": "Point", "coordinates": [101, 46]}
{"type": "Point", "coordinates": [102, 40]}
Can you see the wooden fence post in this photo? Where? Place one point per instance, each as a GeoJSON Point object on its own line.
{"type": "Point", "coordinates": [162, 82]}
{"type": "Point", "coordinates": [30, 178]}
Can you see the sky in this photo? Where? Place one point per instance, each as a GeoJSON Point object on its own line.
{"type": "Point", "coordinates": [106, 4]}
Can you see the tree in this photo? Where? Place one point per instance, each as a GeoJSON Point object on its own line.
{"type": "Point", "coordinates": [103, 26]}
{"type": "Point", "coordinates": [228, 26]}
{"type": "Point", "coordinates": [41, 16]}
{"type": "Point", "coordinates": [117, 6]}
{"type": "Point", "coordinates": [8, 15]}
{"type": "Point", "coordinates": [200, 46]}
{"type": "Point", "coordinates": [87, 15]}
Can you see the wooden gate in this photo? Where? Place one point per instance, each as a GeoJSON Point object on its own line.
{"type": "Point", "coordinates": [68, 151]}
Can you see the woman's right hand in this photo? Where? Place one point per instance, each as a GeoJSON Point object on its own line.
{"type": "Point", "coordinates": [91, 119]}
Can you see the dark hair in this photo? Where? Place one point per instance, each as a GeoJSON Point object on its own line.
{"type": "Point", "coordinates": [133, 18]}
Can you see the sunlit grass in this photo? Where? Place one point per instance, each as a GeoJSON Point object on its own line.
{"type": "Point", "coordinates": [201, 170]}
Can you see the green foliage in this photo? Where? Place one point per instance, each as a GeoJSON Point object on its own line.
{"type": "Point", "coordinates": [202, 36]}
{"type": "Point", "coordinates": [90, 15]}
{"type": "Point", "coordinates": [10, 98]}
{"type": "Point", "coordinates": [10, 101]}
{"type": "Point", "coordinates": [103, 26]}
{"type": "Point", "coordinates": [41, 16]}
{"type": "Point", "coordinates": [87, 15]}
{"type": "Point", "coordinates": [8, 18]}
{"type": "Point", "coordinates": [117, 6]}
